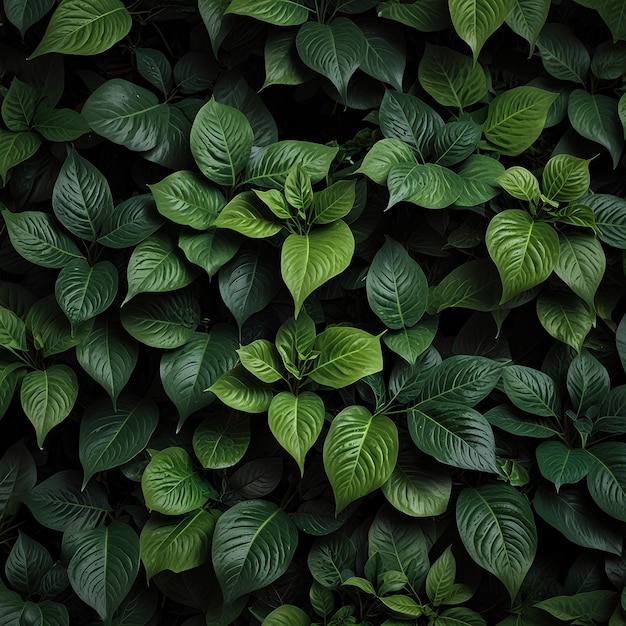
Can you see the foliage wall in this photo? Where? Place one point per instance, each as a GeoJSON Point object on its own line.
{"type": "Point", "coordinates": [312, 312]}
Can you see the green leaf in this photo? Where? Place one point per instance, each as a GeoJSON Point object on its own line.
{"type": "Point", "coordinates": [287, 615]}
{"type": "Point", "coordinates": [12, 330]}
{"type": "Point", "coordinates": [177, 544]}
{"type": "Point", "coordinates": [60, 504]}
{"type": "Point", "coordinates": [531, 390]}
{"type": "Point", "coordinates": [524, 251]}
{"type": "Point", "coordinates": [518, 182]}
{"type": "Point", "coordinates": [566, 178]}
{"type": "Point", "coordinates": [130, 223]}
{"type": "Point", "coordinates": [253, 544]}
{"type": "Point", "coordinates": [451, 78]}
{"type": "Point", "coordinates": [455, 141]}
{"type": "Point", "coordinates": [244, 215]}
{"type": "Point", "coordinates": [563, 55]}
{"type": "Point", "coordinates": [308, 261]}
{"type": "Point", "coordinates": [360, 452]}
{"type": "Point", "coordinates": [262, 359]}
{"type": "Point", "coordinates": [270, 166]}
{"type": "Point", "coordinates": [47, 397]}
{"type": "Point", "coordinates": [277, 12]}
{"type": "Point", "coordinates": [382, 156]}
{"type": "Point", "coordinates": [417, 489]}
{"type": "Point", "coordinates": [186, 372]}
{"type": "Point", "coordinates": [296, 422]}
{"type": "Point", "coordinates": [476, 21]}
{"type": "Point", "coordinates": [345, 355]}
{"type": "Point", "coordinates": [156, 266]}
{"type": "Point", "coordinates": [498, 530]}
{"type": "Point", "coordinates": [516, 118]}
{"type": "Point", "coordinates": [572, 516]}
{"type": "Point", "coordinates": [18, 106]}
{"type": "Point", "coordinates": [171, 486]}
{"type": "Point", "coordinates": [407, 118]}
{"type": "Point", "coordinates": [527, 18]}
{"type": "Point", "coordinates": [610, 212]}
{"type": "Point", "coordinates": [566, 317]}
{"type": "Point", "coordinates": [173, 150]}
{"type": "Point", "coordinates": [608, 60]}
{"type": "Point", "coordinates": [108, 355]}
{"type": "Point", "coordinates": [440, 579]}
{"type": "Point", "coordinates": [334, 50]}
{"type": "Point", "coordinates": [613, 13]}
{"type": "Point", "coordinates": [560, 464]}
{"type": "Point", "coordinates": [113, 435]}
{"type": "Point", "coordinates": [430, 186]}
{"type": "Point", "coordinates": [425, 15]}
{"type": "Point", "coordinates": [26, 564]}
{"type": "Point", "coordinates": [403, 605]}
{"type": "Point", "coordinates": [459, 616]}
{"type": "Point", "coordinates": [242, 391]}
{"type": "Point", "coordinates": [24, 13]}
{"type": "Point", "coordinates": [125, 113]}
{"type": "Point", "coordinates": [248, 283]}
{"type": "Point", "coordinates": [210, 250]}
{"type": "Point", "coordinates": [454, 435]}
{"type": "Point", "coordinates": [15, 148]}
{"type": "Point", "coordinates": [588, 382]}
{"type": "Point", "coordinates": [221, 441]}
{"type": "Point", "coordinates": [18, 476]}
{"type": "Point", "coordinates": [185, 198]}
{"type": "Point", "coordinates": [162, 320]}
{"type": "Point", "coordinates": [104, 566]}
{"type": "Point", "coordinates": [334, 202]}
{"type": "Point", "coordinates": [60, 125]}
{"type": "Point", "coordinates": [155, 68]}
{"type": "Point", "coordinates": [282, 63]}
{"type": "Point", "coordinates": [581, 264]}
{"type": "Point", "coordinates": [607, 478]}
{"type": "Point", "coordinates": [409, 343]}
{"type": "Point", "coordinates": [384, 55]}
{"type": "Point", "coordinates": [84, 291]}
{"type": "Point", "coordinates": [479, 174]}
{"type": "Point", "coordinates": [298, 193]}
{"type": "Point", "coordinates": [85, 27]}
{"type": "Point", "coordinates": [221, 142]}
{"type": "Point", "coordinates": [595, 117]}
{"type": "Point", "coordinates": [582, 607]}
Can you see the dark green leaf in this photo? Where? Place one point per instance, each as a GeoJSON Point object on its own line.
{"type": "Point", "coordinates": [221, 441]}
{"type": "Point", "coordinates": [563, 55]}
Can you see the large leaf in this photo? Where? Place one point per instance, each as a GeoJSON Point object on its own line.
{"type": "Point", "coordinates": [187, 371]}
{"type": "Point", "coordinates": [36, 237]}
{"type": "Point", "coordinates": [532, 390]}
{"type": "Point", "coordinates": [308, 261]}
{"type": "Point", "coordinates": [346, 355]}
{"type": "Point", "coordinates": [126, 114]}
{"type": "Point", "coordinates": [111, 436]}
{"type": "Point", "coordinates": [296, 422]}
{"type": "Point", "coordinates": [222, 440]}
{"type": "Point", "coordinates": [595, 117]}
{"type": "Point", "coordinates": [108, 355]}
{"type": "Point", "coordinates": [27, 563]}
{"type": "Point", "coordinates": [334, 50]}
{"type": "Point", "coordinates": [221, 141]}
{"type": "Point", "coordinates": [423, 15]}
{"type": "Point", "coordinates": [104, 566]}
{"type": "Point", "coordinates": [430, 186]}
{"type": "Point", "coordinates": [453, 434]}
{"type": "Point", "coordinates": [47, 397]}
{"type": "Point", "coordinates": [156, 265]}
{"type": "Point", "coordinates": [16, 148]}
{"type": "Point", "coordinates": [171, 486]}
{"type": "Point", "coordinates": [607, 478]}
{"type": "Point", "coordinates": [131, 222]}
{"type": "Point", "coordinates": [498, 530]}
{"type": "Point", "coordinates": [177, 544]}
{"type": "Point", "coordinates": [527, 18]}
{"type": "Point", "coordinates": [81, 198]}
{"type": "Point", "coordinates": [610, 212]}
{"type": "Point", "coordinates": [563, 55]}
{"type": "Point", "coordinates": [360, 452]}
{"type": "Point", "coordinates": [475, 21]}
{"type": "Point", "coordinates": [566, 317]}
{"type": "Point", "coordinates": [253, 544]}
{"type": "Point", "coordinates": [516, 118]}
{"type": "Point", "coordinates": [451, 78]}
{"type": "Point", "coordinates": [185, 198]}
{"type": "Point", "coordinates": [84, 291]}
{"type": "Point", "coordinates": [85, 27]}
{"type": "Point", "coordinates": [560, 464]}
{"type": "Point", "coordinates": [587, 605]}
{"type": "Point", "coordinates": [278, 12]}
{"type": "Point", "coordinates": [24, 13]}
{"type": "Point", "coordinates": [524, 251]}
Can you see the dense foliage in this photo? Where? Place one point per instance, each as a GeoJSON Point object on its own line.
{"type": "Point", "coordinates": [312, 312]}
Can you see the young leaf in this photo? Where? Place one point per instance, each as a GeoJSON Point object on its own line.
{"type": "Point", "coordinates": [498, 530]}
{"type": "Point", "coordinates": [563, 55]}
{"type": "Point", "coordinates": [308, 261]}
{"type": "Point", "coordinates": [176, 544]}
{"type": "Point", "coordinates": [588, 382]}
{"type": "Point", "coordinates": [516, 118]}
{"type": "Point", "coordinates": [113, 435]}
{"type": "Point", "coordinates": [409, 343]}
{"type": "Point", "coordinates": [171, 486]}
{"type": "Point", "coordinates": [277, 12]}
{"type": "Point", "coordinates": [396, 286]}
{"type": "Point", "coordinates": [560, 464]}
{"type": "Point", "coordinates": [298, 191]}
{"type": "Point", "coordinates": [296, 422]}
{"type": "Point", "coordinates": [565, 178]}
{"type": "Point", "coordinates": [524, 251]}
{"type": "Point", "coordinates": [334, 50]}
{"type": "Point", "coordinates": [360, 452]}
{"type": "Point", "coordinates": [518, 182]}
{"type": "Point", "coordinates": [242, 391]}
{"type": "Point", "coordinates": [221, 142]}
{"type": "Point", "coordinates": [47, 397]}
{"type": "Point", "coordinates": [440, 579]}
{"type": "Point", "coordinates": [253, 545]}
{"type": "Point", "coordinates": [85, 27]}
{"type": "Point", "coordinates": [262, 359]}
{"type": "Point", "coordinates": [221, 441]}
{"type": "Point", "coordinates": [334, 202]}
{"type": "Point", "coordinates": [12, 331]}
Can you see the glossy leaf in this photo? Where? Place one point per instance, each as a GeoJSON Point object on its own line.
{"type": "Point", "coordinates": [23, 14]}
{"type": "Point", "coordinates": [59, 125]}
{"type": "Point", "coordinates": [15, 148]}
{"type": "Point", "coordinates": [280, 13]}
{"type": "Point", "coordinates": [242, 391]}
{"type": "Point", "coordinates": [563, 55]}
{"type": "Point", "coordinates": [382, 156]}
{"type": "Point", "coordinates": [588, 383]}
{"type": "Point", "coordinates": [531, 390]}
{"type": "Point", "coordinates": [221, 441]}
{"type": "Point", "coordinates": [425, 16]}
{"type": "Point", "coordinates": [527, 18]}
{"type": "Point", "coordinates": [155, 68]}
{"type": "Point", "coordinates": [334, 202]}
{"type": "Point", "coordinates": [18, 106]}
{"type": "Point", "coordinates": [211, 250]}
{"type": "Point", "coordinates": [430, 186]}
{"type": "Point", "coordinates": [566, 317]}
{"type": "Point", "coordinates": [607, 478]}
{"type": "Point", "coordinates": [560, 464]}
{"type": "Point", "coordinates": [360, 452]}
{"type": "Point", "coordinates": [244, 215]}
{"type": "Point", "coordinates": [456, 141]}
{"type": "Point", "coordinates": [12, 330]}
{"type": "Point", "coordinates": [384, 55]}
{"type": "Point", "coordinates": [26, 564]}
{"type": "Point", "coordinates": [518, 182]}
{"type": "Point", "coordinates": [409, 343]}
{"type": "Point", "coordinates": [262, 359]}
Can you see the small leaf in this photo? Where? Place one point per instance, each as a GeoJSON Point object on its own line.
{"type": "Point", "coordinates": [360, 452]}
{"type": "Point", "coordinates": [440, 579]}
{"type": "Point", "coordinates": [562, 465]}
{"type": "Point", "coordinates": [532, 390]}
{"type": "Point", "coordinates": [425, 16]}
{"type": "Point", "coordinates": [131, 222]}
{"type": "Point", "coordinates": [85, 27]}
{"type": "Point", "coordinates": [384, 53]}
{"type": "Point", "coordinates": [12, 331]}
{"type": "Point", "coordinates": [155, 68]}
{"type": "Point", "coordinates": [262, 359]}
{"type": "Point", "coordinates": [18, 106]}
{"type": "Point", "coordinates": [210, 250]}
{"type": "Point", "coordinates": [222, 442]}
{"type": "Point", "coordinates": [518, 182]}
{"type": "Point", "coordinates": [588, 383]}
{"type": "Point", "coordinates": [382, 156]}
{"type": "Point", "coordinates": [243, 214]}
{"type": "Point", "coordinates": [566, 317]}
{"type": "Point", "coordinates": [430, 186]}
{"type": "Point", "coordinates": [456, 141]}
{"type": "Point", "coordinates": [15, 148]}
{"type": "Point", "coordinates": [409, 343]}
{"type": "Point", "coordinates": [527, 18]}
{"type": "Point", "coordinates": [26, 564]}
{"type": "Point", "coordinates": [60, 125]}
{"type": "Point", "coordinates": [334, 202]}
{"type": "Point", "coordinates": [565, 178]}
{"type": "Point", "coordinates": [242, 391]}
{"type": "Point", "coordinates": [23, 14]}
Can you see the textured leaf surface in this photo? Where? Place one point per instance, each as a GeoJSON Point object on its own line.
{"type": "Point", "coordinates": [16, 148]}
{"type": "Point", "coordinates": [607, 478]}
{"type": "Point", "coordinates": [132, 221]}
{"type": "Point", "coordinates": [23, 14]}
{"type": "Point", "coordinates": [278, 12]}
{"type": "Point", "coordinates": [531, 390]}
{"type": "Point", "coordinates": [563, 55]}
{"type": "Point", "coordinates": [560, 464]}
{"type": "Point", "coordinates": [566, 317]}
{"type": "Point", "coordinates": [527, 18]}
{"type": "Point", "coordinates": [241, 390]}
{"type": "Point", "coordinates": [221, 441]}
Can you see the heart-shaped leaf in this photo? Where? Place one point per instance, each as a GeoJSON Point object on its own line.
{"type": "Point", "coordinates": [560, 464]}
